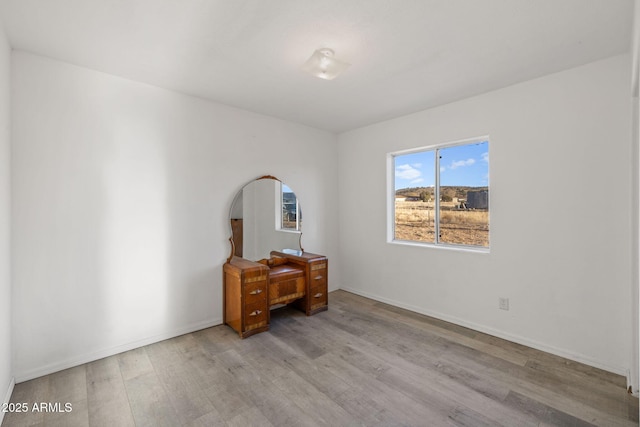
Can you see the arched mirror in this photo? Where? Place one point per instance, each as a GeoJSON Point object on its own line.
{"type": "Point", "coordinates": [267, 266]}
{"type": "Point", "coordinates": [265, 216]}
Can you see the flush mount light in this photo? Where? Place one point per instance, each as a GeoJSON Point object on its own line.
{"type": "Point", "coordinates": [322, 64]}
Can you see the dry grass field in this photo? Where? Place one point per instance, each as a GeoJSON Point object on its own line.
{"type": "Point", "coordinates": [414, 222]}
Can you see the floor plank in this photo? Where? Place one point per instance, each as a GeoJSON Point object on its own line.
{"type": "Point", "coordinates": [361, 363]}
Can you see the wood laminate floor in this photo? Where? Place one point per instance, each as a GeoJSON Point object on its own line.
{"type": "Point", "coordinates": [360, 363]}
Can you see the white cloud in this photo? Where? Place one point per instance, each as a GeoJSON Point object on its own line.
{"type": "Point", "coordinates": [407, 172]}
{"type": "Point", "coordinates": [417, 165]}
{"type": "Point", "coordinates": [485, 157]}
{"type": "Point", "coordinates": [417, 181]}
{"type": "Point", "coordinates": [461, 163]}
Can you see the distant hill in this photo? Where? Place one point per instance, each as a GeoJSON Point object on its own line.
{"type": "Point", "coordinates": [448, 191]}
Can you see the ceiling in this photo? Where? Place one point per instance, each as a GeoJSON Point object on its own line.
{"type": "Point", "coordinates": [406, 55]}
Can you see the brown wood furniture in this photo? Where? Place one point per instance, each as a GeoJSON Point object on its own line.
{"type": "Point", "coordinates": [236, 232]}
{"type": "Point", "coordinates": [251, 288]}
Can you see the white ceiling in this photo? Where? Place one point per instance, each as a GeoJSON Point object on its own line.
{"type": "Point", "coordinates": [406, 55]}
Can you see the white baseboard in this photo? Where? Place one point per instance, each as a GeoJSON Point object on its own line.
{"type": "Point", "coordinates": [7, 397]}
{"type": "Point", "coordinates": [100, 354]}
{"type": "Point", "coordinates": [501, 334]}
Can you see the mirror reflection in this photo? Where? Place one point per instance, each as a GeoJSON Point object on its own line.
{"type": "Point", "coordinates": [265, 216]}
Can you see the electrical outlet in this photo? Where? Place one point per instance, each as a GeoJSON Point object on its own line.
{"type": "Point", "coordinates": [503, 303]}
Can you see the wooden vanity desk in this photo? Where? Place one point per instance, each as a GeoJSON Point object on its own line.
{"type": "Point", "coordinates": [315, 275]}
{"type": "Point", "coordinates": [251, 288]}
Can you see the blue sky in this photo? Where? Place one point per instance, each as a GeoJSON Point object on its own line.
{"type": "Point", "coordinates": [461, 165]}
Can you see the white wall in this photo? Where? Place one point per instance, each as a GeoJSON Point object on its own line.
{"type": "Point", "coordinates": [635, 159]}
{"type": "Point", "coordinates": [6, 376]}
{"type": "Point", "coordinates": [120, 212]}
{"type": "Point", "coordinates": [561, 207]}
{"type": "Point", "coordinates": [635, 253]}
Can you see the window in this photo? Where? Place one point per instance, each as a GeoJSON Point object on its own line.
{"type": "Point", "coordinates": [440, 195]}
{"type": "Point", "coordinates": [290, 215]}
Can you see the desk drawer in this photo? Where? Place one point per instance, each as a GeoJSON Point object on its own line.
{"type": "Point", "coordinates": [255, 316]}
{"type": "Point", "coordinates": [255, 292]}
{"type": "Point", "coordinates": [286, 290]}
{"type": "Point", "coordinates": [318, 275]}
{"type": "Point", "coordinates": [317, 297]}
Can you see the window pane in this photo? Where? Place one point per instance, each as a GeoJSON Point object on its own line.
{"type": "Point", "coordinates": [290, 215]}
{"type": "Point", "coordinates": [464, 194]}
{"type": "Point", "coordinates": [414, 203]}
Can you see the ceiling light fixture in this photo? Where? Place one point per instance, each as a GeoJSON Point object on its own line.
{"type": "Point", "coordinates": [322, 64]}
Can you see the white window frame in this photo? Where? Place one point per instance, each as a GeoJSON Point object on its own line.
{"type": "Point", "coordinates": [279, 208]}
{"type": "Point", "coordinates": [391, 197]}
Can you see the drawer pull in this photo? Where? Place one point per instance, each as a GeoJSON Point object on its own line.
{"type": "Point", "coordinates": [255, 313]}
{"type": "Point", "coordinates": [318, 295]}
{"type": "Point", "coordinates": [317, 278]}
{"type": "Point", "coordinates": [256, 292]}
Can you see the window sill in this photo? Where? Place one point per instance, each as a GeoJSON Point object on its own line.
{"type": "Point", "coordinates": [284, 230]}
{"type": "Point", "coordinates": [456, 248]}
